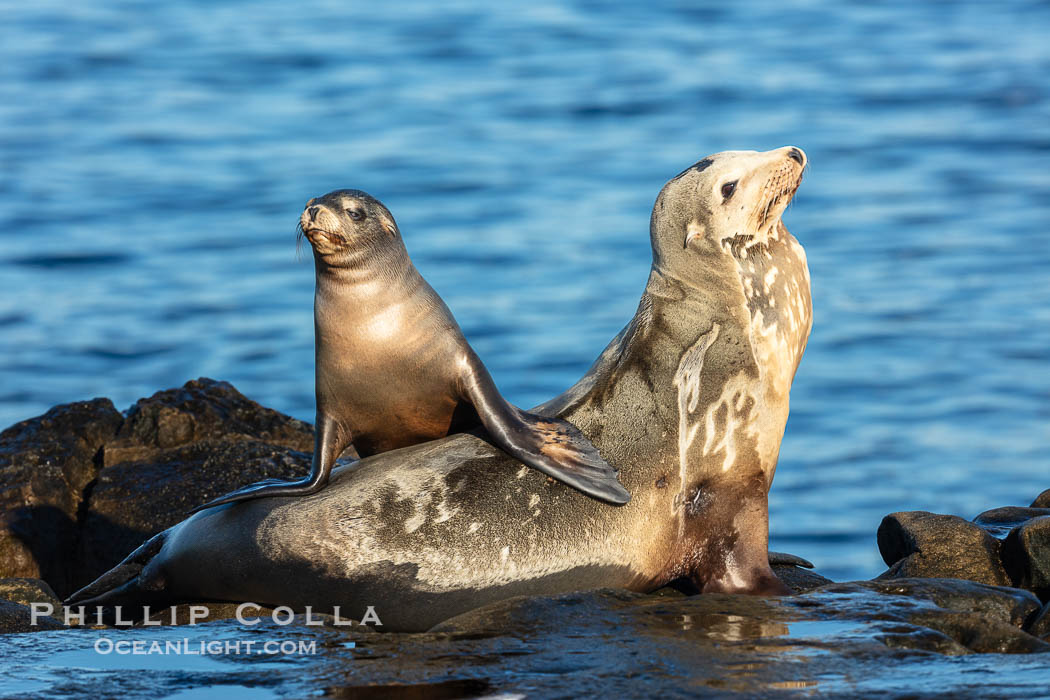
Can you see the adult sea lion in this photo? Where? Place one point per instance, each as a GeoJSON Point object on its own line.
{"type": "Point", "coordinates": [690, 401]}
{"type": "Point", "coordinates": [393, 368]}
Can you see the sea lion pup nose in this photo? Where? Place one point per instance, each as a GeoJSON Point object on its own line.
{"type": "Point", "coordinates": [393, 368]}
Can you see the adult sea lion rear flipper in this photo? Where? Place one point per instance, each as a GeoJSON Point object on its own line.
{"type": "Point", "coordinates": [122, 579]}
{"type": "Point", "coordinates": [551, 445]}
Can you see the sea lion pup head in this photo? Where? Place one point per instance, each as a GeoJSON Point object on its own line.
{"type": "Point", "coordinates": [728, 204]}
{"type": "Point", "coordinates": [346, 227]}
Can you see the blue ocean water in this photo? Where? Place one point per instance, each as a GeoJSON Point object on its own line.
{"type": "Point", "coordinates": [154, 158]}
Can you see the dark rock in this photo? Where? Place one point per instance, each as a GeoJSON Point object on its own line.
{"type": "Point", "coordinates": [918, 544]}
{"type": "Point", "coordinates": [798, 579]}
{"type": "Point", "coordinates": [1009, 605]}
{"type": "Point", "coordinates": [46, 464]}
{"type": "Point", "coordinates": [524, 615]}
{"type": "Point", "coordinates": [81, 486]}
{"type": "Point", "coordinates": [202, 409]}
{"type": "Point", "coordinates": [999, 521]}
{"type": "Point", "coordinates": [1042, 500]}
{"type": "Point", "coordinates": [135, 500]}
{"type": "Point", "coordinates": [1040, 626]}
{"type": "Point", "coordinates": [915, 638]}
{"type": "Point", "coordinates": [973, 616]}
{"type": "Point", "coordinates": [1026, 556]}
{"type": "Point", "coordinates": [980, 633]}
{"type": "Point", "coordinates": [15, 617]}
{"type": "Point", "coordinates": [28, 590]}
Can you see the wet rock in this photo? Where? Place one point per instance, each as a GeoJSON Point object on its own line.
{"type": "Point", "coordinates": [980, 633]}
{"type": "Point", "coordinates": [916, 638]}
{"type": "Point", "coordinates": [1026, 556]}
{"type": "Point", "coordinates": [918, 544]}
{"type": "Point", "coordinates": [134, 500]}
{"type": "Point", "coordinates": [28, 590]}
{"type": "Point", "coordinates": [15, 617]}
{"type": "Point", "coordinates": [974, 617]}
{"type": "Point", "coordinates": [202, 409]}
{"type": "Point", "coordinates": [999, 521]}
{"type": "Point", "coordinates": [1042, 500]}
{"type": "Point", "coordinates": [798, 579]}
{"type": "Point", "coordinates": [524, 615]}
{"type": "Point", "coordinates": [1008, 605]}
{"type": "Point", "coordinates": [46, 464]}
{"type": "Point", "coordinates": [851, 640]}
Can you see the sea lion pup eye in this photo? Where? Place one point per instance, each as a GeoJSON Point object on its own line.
{"type": "Point", "coordinates": [727, 190]}
{"type": "Point", "coordinates": [393, 368]}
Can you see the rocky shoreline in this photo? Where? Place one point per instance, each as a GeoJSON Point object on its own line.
{"type": "Point", "coordinates": [84, 484]}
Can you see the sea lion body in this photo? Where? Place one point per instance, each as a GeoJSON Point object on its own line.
{"type": "Point", "coordinates": [689, 401]}
{"type": "Point", "coordinates": [393, 367]}
{"type": "Point", "coordinates": [388, 385]}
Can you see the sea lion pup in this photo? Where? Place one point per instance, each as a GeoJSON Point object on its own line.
{"type": "Point", "coordinates": [393, 368]}
{"type": "Point", "coordinates": [690, 401]}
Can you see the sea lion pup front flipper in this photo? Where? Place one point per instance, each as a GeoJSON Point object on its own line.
{"type": "Point", "coordinates": [329, 442]}
{"type": "Point", "coordinates": [552, 445]}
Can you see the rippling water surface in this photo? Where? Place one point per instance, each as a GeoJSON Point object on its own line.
{"type": "Point", "coordinates": [155, 158]}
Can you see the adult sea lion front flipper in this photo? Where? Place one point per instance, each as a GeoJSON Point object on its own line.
{"type": "Point", "coordinates": [551, 445]}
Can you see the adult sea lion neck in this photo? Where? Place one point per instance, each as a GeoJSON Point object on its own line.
{"type": "Point", "coordinates": [672, 314]}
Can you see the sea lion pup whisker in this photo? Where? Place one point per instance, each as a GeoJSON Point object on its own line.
{"type": "Point", "coordinates": [299, 235]}
{"type": "Point", "coordinates": [689, 400]}
{"type": "Point", "coordinates": [394, 369]}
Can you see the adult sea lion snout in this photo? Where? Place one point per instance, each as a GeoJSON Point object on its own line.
{"type": "Point", "coordinates": [797, 154]}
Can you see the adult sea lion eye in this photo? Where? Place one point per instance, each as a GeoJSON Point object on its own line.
{"type": "Point", "coordinates": [355, 214]}
{"type": "Point", "coordinates": [728, 189]}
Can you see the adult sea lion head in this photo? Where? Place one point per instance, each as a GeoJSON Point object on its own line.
{"type": "Point", "coordinates": [728, 203]}
{"type": "Point", "coordinates": [728, 304]}
{"type": "Point", "coordinates": [348, 227]}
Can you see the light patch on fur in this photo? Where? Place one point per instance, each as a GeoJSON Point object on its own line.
{"type": "Point", "coordinates": [770, 278]}
{"type": "Point", "coordinates": [384, 324]}
{"type": "Point", "coordinates": [687, 381]}
{"type": "Point", "coordinates": [725, 438]}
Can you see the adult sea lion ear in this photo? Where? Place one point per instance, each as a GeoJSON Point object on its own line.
{"type": "Point", "coordinates": [388, 225]}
